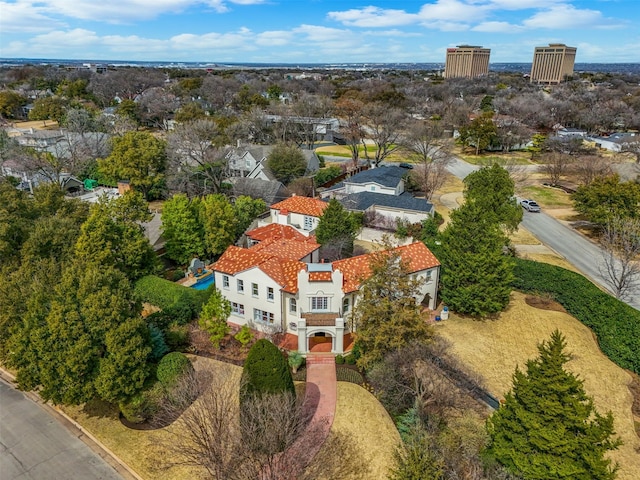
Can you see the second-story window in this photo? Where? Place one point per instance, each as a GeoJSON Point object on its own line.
{"type": "Point", "coordinates": [240, 286]}
{"type": "Point", "coordinates": [345, 305]}
{"type": "Point", "coordinates": [270, 293]}
{"type": "Point", "coordinates": [319, 304]}
{"type": "Point", "coordinates": [254, 289]}
{"type": "Point", "coordinates": [225, 281]}
{"type": "Point", "coordinates": [308, 222]}
{"type": "Point", "coordinates": [293, 305]}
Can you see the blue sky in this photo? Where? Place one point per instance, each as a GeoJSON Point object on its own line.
{"type": "Point", "coordinates": [310, 31]}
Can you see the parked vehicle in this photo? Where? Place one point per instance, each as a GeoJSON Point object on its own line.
{"type": "Point", "coordinates": [530, 205]}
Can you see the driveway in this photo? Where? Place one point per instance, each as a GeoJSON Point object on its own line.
{"type": "Point", "coordinates": [35, 446]}
{"type": "Point", "coordinates": [581, 253]}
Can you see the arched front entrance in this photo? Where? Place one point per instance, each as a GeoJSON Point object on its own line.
{"type": "Point", "coordinates": [321, 342]}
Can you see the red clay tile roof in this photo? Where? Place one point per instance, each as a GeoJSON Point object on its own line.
{"type": "Point", "coordinates": [287, 249]}
{"type": "Point", "coordinates": [319, 276]}
{"type": "Point", "coordinates": [275, 231]}
{"type": "Point", "coordinates": [356, 269]}
{"type": "Point", "coordinates": [303, 205]}
{"type": "Point", "coordinates": [283, 271]}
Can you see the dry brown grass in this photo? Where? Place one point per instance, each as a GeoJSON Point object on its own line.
{"type": "Point", "coordinates": [362, 439]}
{"type": "Point", "coordinates": [522, 236]}
{"type": "Point", "coordinates": [141, 450]}
{"type": "Point", "coordinates": [551, 259]}
{"type": "Point", "coordinates": [38, 125]}
{"type": "Point", "coordinates": [451, 185]}
{"type": "Point", "coordinates": [494, 348]}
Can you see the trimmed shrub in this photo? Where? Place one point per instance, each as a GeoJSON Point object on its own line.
{"type": "Point", "coordinates": [142, 406]}
{"type": "Point", "coordinates": [171, 367]}
{"type": "Point", "coordinates": [350, 359]}
{"type": "Point", "coordinates": [177, 337]}
{"type": "Point", "coordinates": [265, 371]}
{"type": "Point", "coordinates": [346, 374]}
{"type": "Point", "coordinates": [615, 324]}
{"type": "Point", "coordinates": [179, 304]}
{"type": "Point", "coordinates": [339, 360]}
{"type": "Point", "coordinates": [244, 336]}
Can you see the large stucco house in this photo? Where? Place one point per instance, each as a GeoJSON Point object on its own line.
{"type": "Point", "coordinates": [280, 284]}
{"type": "Point", "coordinates": [301, 213]}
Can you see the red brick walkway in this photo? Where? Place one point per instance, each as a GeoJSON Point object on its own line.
{"type": "Point", "coordinates": [320, 402]}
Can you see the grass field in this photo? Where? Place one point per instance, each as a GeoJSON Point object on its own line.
{"type": "Point", "coordinates": [343, 151]}
{"type": "Point", "coordinates": [362, 428]}
{"type": "Point", "coordinates": [493, 348]}
{"type": "Point", "coordinates": [548, 197]}
{"type": "Point", "coordinates": [362, 439]}
{"type": "Point", "coordinates": [489, 158]}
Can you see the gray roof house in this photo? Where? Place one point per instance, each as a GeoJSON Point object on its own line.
{"type": "Point", "coordinates": [380, 192]}
{"type": "Point", "coordinates": [251, 161]}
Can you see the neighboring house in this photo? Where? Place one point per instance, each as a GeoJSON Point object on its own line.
{"type": "Point", "coordinates": [381, 192]}
{"type": "Point", "coordinates": [40, 139]}
{"type": "Point", "coordinates": [301, 213]}
{"type": "Point", "coordinates": [615, 141]}
{"type": "Point", "coordinates": [251, 161]}
{"type": "Point", "coordinates": [280, 286]}
{"type": "Point", "coordinates": [571, 132]}
{"type": "Point", "coordinates": [323, 128]}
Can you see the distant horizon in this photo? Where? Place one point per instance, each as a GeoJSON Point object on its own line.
{"type": "Point", "coordinates": [316, 31]}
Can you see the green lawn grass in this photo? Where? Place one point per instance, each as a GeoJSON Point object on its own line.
{"type": "Point", "coordinates": [548, 197]}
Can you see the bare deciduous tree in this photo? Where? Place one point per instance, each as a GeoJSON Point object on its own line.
{"type": "Point", "coordinates": [384, 125]}
{"type": "Point", "coordinates": [588, 167]}
{"type": "Point", "coordinates": [431, 152]}
{"type": "Point", "coordinates": [620, 243]}
{"type": "Point", "coordinates": [556, 166]}
{"type": "Point", "coordinates": [211, 431]}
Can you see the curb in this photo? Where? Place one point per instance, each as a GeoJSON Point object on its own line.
{"type": "Point", "coordinates": [77, 430]}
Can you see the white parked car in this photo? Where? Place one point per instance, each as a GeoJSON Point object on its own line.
{"type": "Point", "coordinates": [530, 205]}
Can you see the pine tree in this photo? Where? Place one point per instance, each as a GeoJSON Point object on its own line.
{"type": "Point", "coordinates": [548, 427]}
{"type": "Point", "coordinates": [338, 228]}
{"type": "Point", "coordinates": [476, 274]}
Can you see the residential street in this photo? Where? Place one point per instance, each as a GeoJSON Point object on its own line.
{"type": "Point", "coordinates": [577, 250]}
{"type": "Point", "coordinates": [35, 445]}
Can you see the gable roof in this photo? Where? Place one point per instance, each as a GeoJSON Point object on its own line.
{"type": "Point", "coordinates": [357, 269]}
{"type": "Point", "coordinates": [361, 201]}
{"type": "Point", "coordinates": [302, 205]}
{"type": "Point", "coordinates": [287, 248]}
{"type": "Point", "coordinates": [388, 176]}
{"type": "Point", "coordinates": [275, 231]}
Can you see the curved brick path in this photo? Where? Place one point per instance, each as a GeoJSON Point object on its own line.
{"type": "Point", "coordinates": [320, 402]}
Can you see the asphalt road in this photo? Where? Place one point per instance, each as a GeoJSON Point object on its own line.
{"type": "Point", "coordinates": [36, 446]}
{"type": "Point", "coordinates": [581, 253]}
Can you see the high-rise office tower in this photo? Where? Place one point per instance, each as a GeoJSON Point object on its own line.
{"type": "Point", "coordinates": [552, 64]}
{"type": "Point", "coordinates": [467, 61]}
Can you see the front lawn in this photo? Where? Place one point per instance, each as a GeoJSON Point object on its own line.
{"type": "Point", "coordinates": [493, 348]}
{"type": "Point", "coordinates": [548, 197]}
{"type": "Point", "coordinates": [361, 442]}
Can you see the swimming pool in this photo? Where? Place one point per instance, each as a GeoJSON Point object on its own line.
{"type": "Point", "coordinates": [203, 285]}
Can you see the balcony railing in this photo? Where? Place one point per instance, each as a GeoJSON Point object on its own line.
{"type": "Point", "coordinates": [327, 319]}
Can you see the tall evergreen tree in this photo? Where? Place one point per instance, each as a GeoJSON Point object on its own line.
{"type": "Point", "coordinates": [493, 189]}
{"type": "Point", "coordinates": [476, 274]}
{"type": "Point", "coordinates": [337, 228]}
{"type": "Point", "coordinates": [265, 371]}
{"type": "Point", "coordinates": [548, 428]}
{"type": "Point", "coordinates": [219, 223]}
{"type": "Point", "coordinates": [181, 228]}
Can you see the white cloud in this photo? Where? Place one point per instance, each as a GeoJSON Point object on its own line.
{"type": "Point", "coordinates": [522, 4]}
{"type": "Point", "coordinates": [23, 17]}
{"type": "Point", "coordinates": [275, 38]}
{"type": "Point", "coordinates": [497, 27]}
{"type": "Point", "coordinates": [564, 17]}
{"type": "Point", "coordinates": [453, 11]}
{"type": "Point", "coordinates": [373, 17]}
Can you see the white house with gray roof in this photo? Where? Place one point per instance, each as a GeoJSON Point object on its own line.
{"type": "Point", "coordinates": [381, 192]}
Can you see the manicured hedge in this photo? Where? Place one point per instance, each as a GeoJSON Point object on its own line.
{"type": "Point", "coordinates": [171, 367]}
{"type": "Point", "coordinates": [180, 304]}
{"type": "Point", "coordinates": [265, 371]}
{"type": "Point", "coordinates": [616, 324]}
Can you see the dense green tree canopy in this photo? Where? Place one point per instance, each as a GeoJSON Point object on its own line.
{"type": "Point", "coordinates": [492, 189]}
{"type": "Point", "coordinates": [48, 108]}
{"type": "Point", "coordinates": [181, 228]}
{"type": "Point", "coordinates": [476, 274]}
{"type": "Point", "coordinates": [138, 157]}
{"type": "Point", "coordinates": [246, 210]}
{"type": "Point", "coordinates": [10, 103]}
{"type": "Point", "coordinates": [548, 428]}
{"type": "Point", "coordinates": [338, 228]}
{"type": "Point", "coordinates": [219, 223]}
{"type": "Point", "coordinates": [113, 236]}
{"type": "Point", "coordinates": [606, 198]}
{"type": "Point", "coordinates": [286, 162]}
{"type": "Point", "coordinates": [480, 133]}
